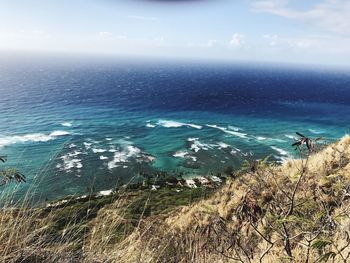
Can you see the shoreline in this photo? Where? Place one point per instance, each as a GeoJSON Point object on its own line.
{"type": "Point", "coordinates": [194, 182]}
{"type": "Point", "coordinates": [121, 223]}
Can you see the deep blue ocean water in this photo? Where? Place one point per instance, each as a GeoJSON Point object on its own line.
{"type": "Point", "coordinates": [73, 124]}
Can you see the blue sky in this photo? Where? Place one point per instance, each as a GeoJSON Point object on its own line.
{"type": "Point", "coordinates": [298, 31]}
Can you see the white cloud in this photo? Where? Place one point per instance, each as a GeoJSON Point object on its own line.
{"type": "Point", "coordinates": [105, 34]}
{"type": "Point", "coordinates": [329, 15]}
{"type": "Point", "coordinates": [292, 42]}
{"type": "Point", "coordinates": [322, 45]}
{"type": "Point", "coordinates": [237, 40]}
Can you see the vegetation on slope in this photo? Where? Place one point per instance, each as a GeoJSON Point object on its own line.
{"type": "Point", "coordinates": [297, 212]}
{"type": "Point", "coordinates": [75, 230]}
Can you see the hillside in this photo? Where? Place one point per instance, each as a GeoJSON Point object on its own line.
{"type": "Point", "coordinates": [296, 212]}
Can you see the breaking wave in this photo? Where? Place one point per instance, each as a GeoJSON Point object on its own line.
{"type": "Point", "coordinates": [280, 151]}
{"type": "Point", "coordinates": [33, 137]}
{"type": "Point", "coordinates": [67, 124]}
{"type": "Point", "coordinates": [226, 130]}
{"type": "Point", "coordinates": [70, 161]}
{"type": "Point", "coordinates": [176, 124]}
{"type": "Point", "coordinates": [316, 131]}
{"type": "Point", "coordinates": [123, 156]}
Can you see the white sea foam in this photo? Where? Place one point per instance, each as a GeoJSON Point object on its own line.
{"type": "Point", "coordinates": [119, 157]}
{"type": "Point", "coordinates": [149, 158]}
{"type": "Point", "coordinates": [281, 159]}
{"type": "Point", "coordinates": [233, 151]}
{"type": "Point", "coordinates": [175, 124]}
{"type": "Point", "coordinates": [96, 150]}
{"type": "Point", "coordinates": [184, 154]}
{"type": "Point", "coordinates": [124, 155]}
{"type": "Point", "coordinates": [70, 161]}
{"type": "Point", "coordinates": [197, 146]}
{"type": "Point", "coordinates": [289, 136]}
{"type": "Point", "coordinates": [73, 154]}
{"type": "Point", "coordinates": [225, 130]}
{"type": "Point", "coordinates": [223, 145]}
{"type": "Point", "coordinates": [109, 139]}
{"type": "Point", "coordinates": [91, 141]}
{"type": "Point", "coordinates": [67, 124]}
{"type": "Point", "coordinates": [87, 145]}
{"type": "Point", "coordinates": [234, 128]}
{"type": "Point", "coordinates": [194, 126]}
{"type": "Point", "coordinates": [180, 154]}
{"type": "Point", "coordinates": [316, 131]}
{"type": "Point", "coordinates": [277, 140]}
{"type": "Point", "coordinates": [194, 159]}
{"type": "Point", "coordinates": [112, 165]}
{"type": "Point", "coordinates": [149, 125]}
{"type": "Point", "coordinates": [58, 133]}
{"type": "Point", "coordinates": [270, 140]}
{"type": "Point", "coordinates": [280, 151]}
{"type": "Point", "coordinates": [170, 124]}
{"type": "Point", "coordinates": [33, 137]}
{"type": "Point", "coordinates": [103, 157]}
{"type": "Point", "coordinates": [133, 151]}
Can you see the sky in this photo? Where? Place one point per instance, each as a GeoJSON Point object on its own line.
{"type": "Point", "coordinates": [289, 31]}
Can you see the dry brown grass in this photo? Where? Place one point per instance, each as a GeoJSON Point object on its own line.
{"type": "Point", "coordinates": [297, 212]}
{"type": "Point", "coordinates": [25, 237]}
{"type": "Point", "coordinates": [245, 220]}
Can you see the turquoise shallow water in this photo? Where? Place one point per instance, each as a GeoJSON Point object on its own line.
{"type": "Point", "coordinates": [70, 126]}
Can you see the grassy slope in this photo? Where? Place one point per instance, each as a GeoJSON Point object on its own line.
{"type": "Point", "coordinates": [62, 233]}
{"type": "Point", "coordinates": [298, 212]}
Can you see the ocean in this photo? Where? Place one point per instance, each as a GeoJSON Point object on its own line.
{"type": "Point", "coordinates": [73, 125]}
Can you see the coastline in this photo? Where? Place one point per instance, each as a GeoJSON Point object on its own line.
{"type": "Point", "coordinates": [170, 184]}
{"type": "Point", "coordinates": [124, 224]}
